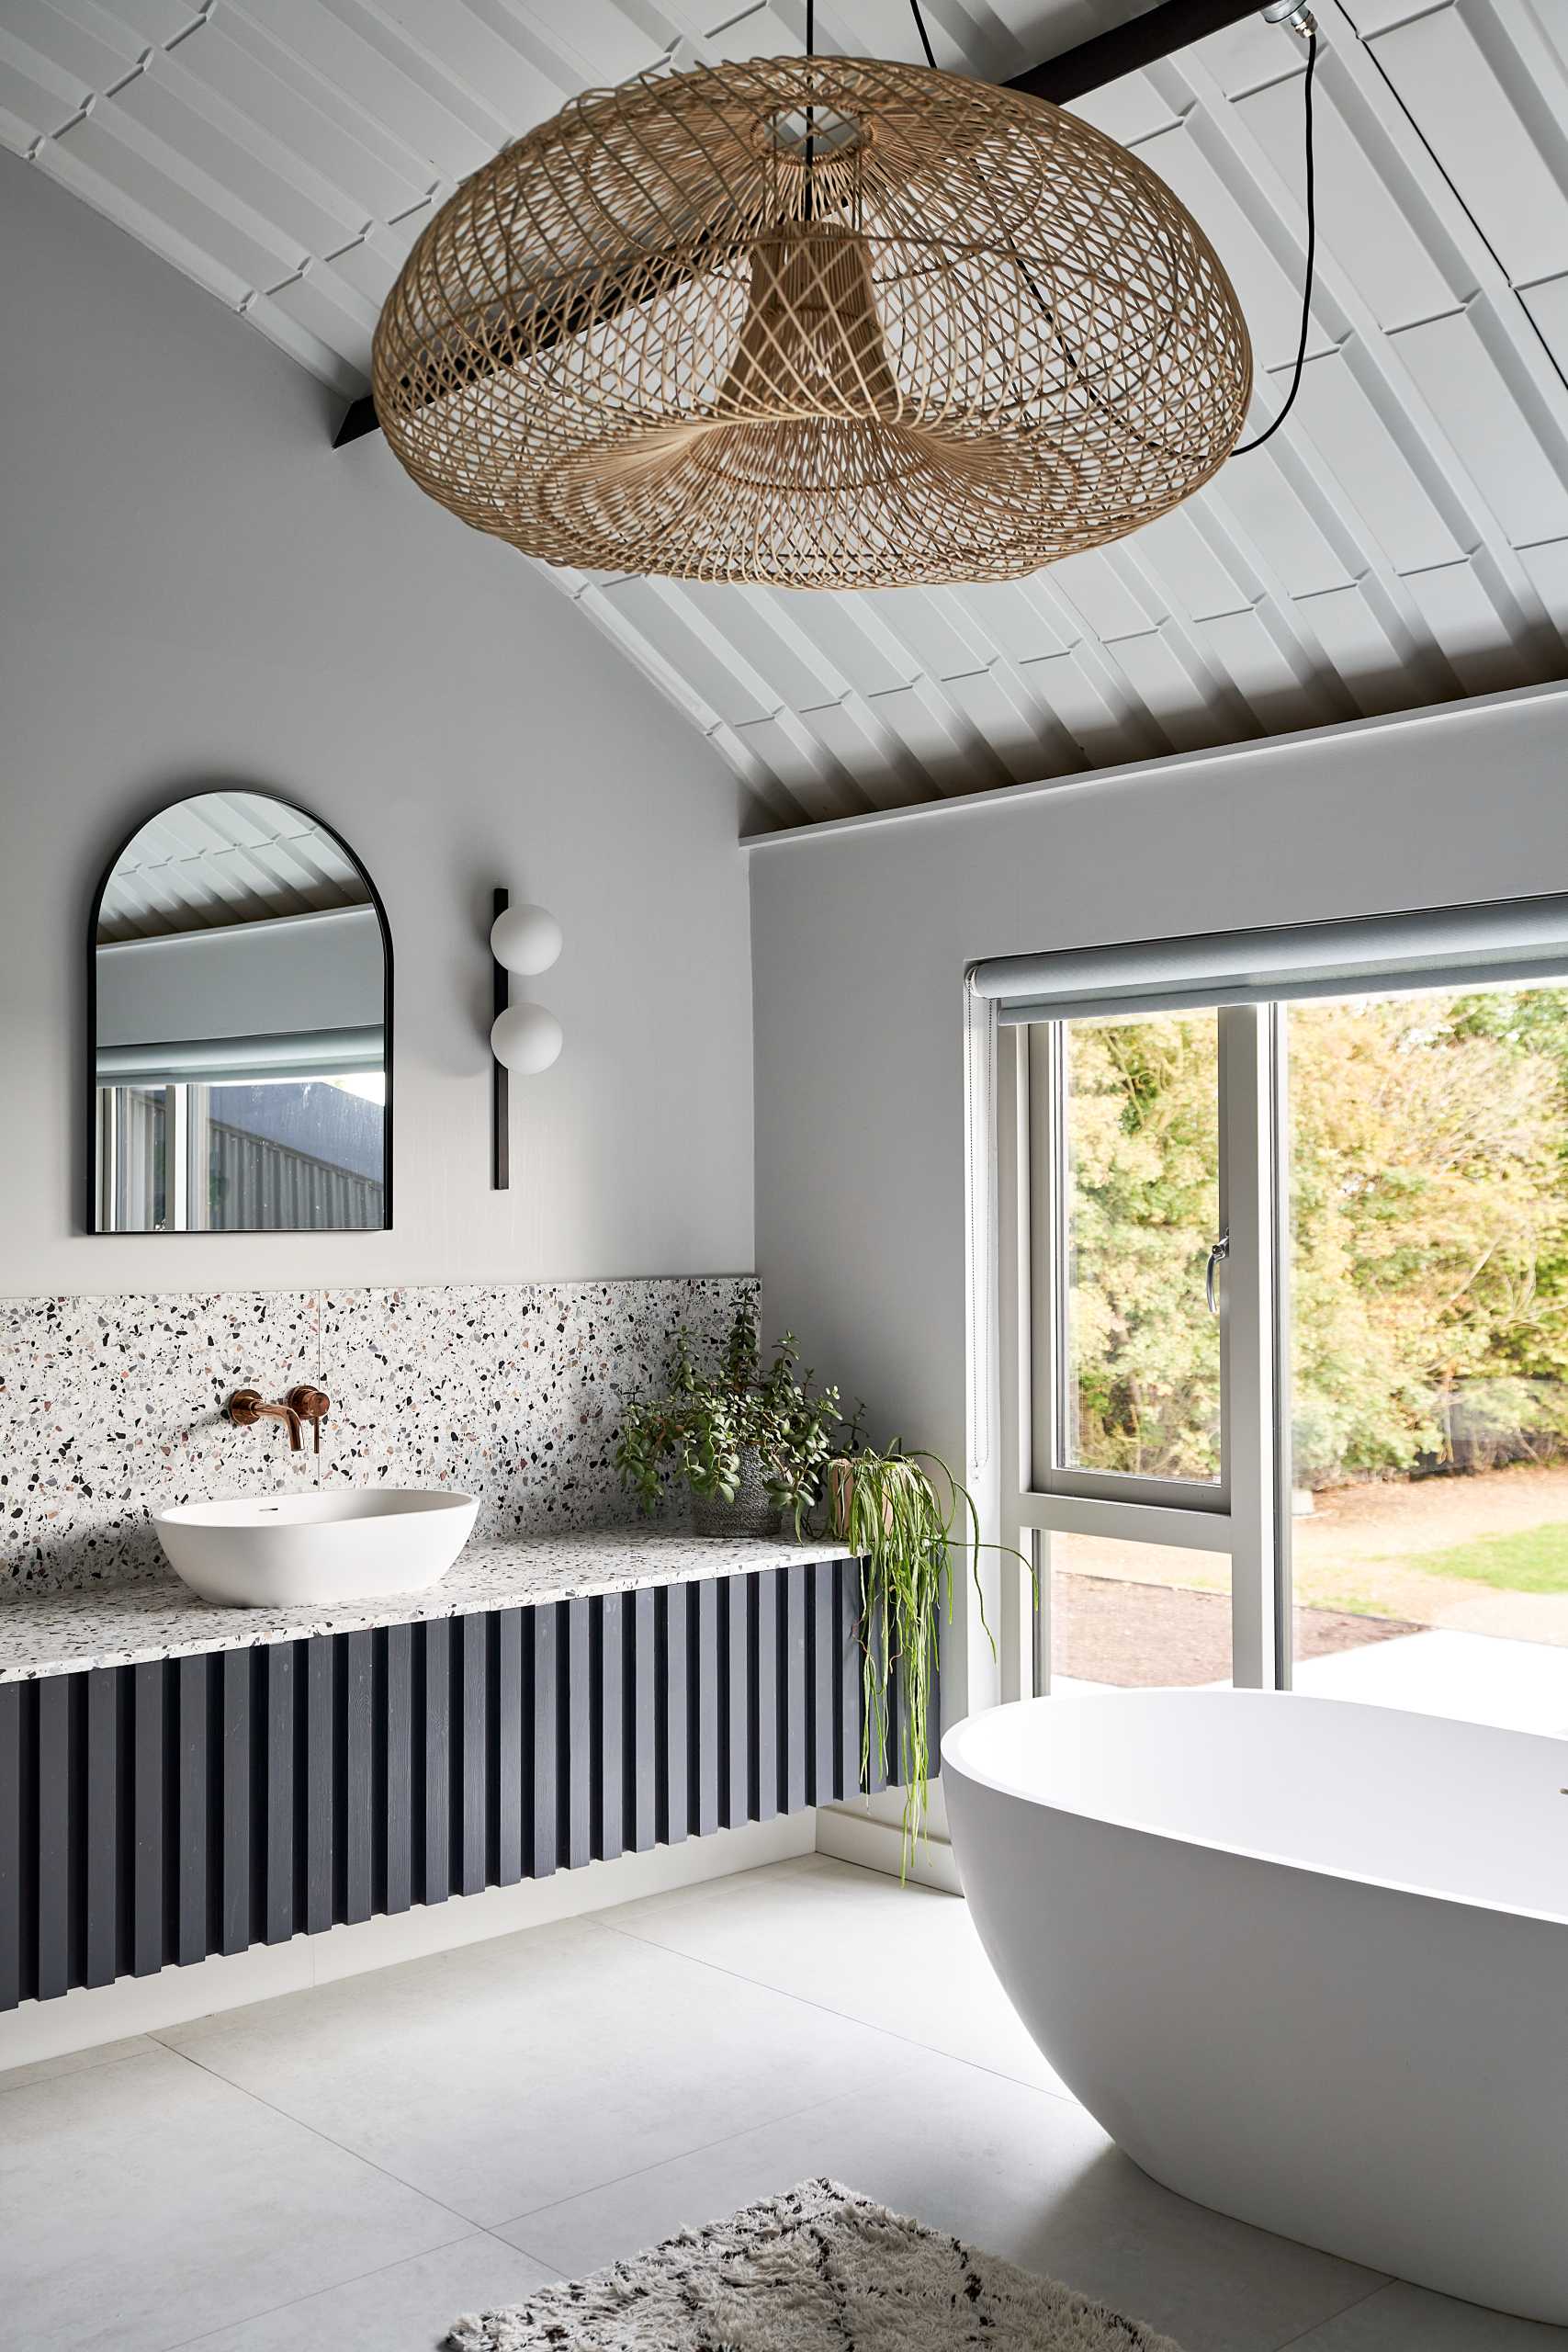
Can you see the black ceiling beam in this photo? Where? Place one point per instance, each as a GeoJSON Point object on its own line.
{"type": "Point", "coordinates": [359, 418]}
{"type": "Point", "coordinates": [1141, 41]}
{"type": "Point", "coordinates": [1159, 32]}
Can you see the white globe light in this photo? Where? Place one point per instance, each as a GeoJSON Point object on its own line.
{"type": "Point", "coordinates": [525, 1039]}
{"type": "Point", "coordinates": [526, 940]}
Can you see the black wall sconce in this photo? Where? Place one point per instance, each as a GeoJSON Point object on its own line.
{"type": "Point", "coordinates": [523, 1038]}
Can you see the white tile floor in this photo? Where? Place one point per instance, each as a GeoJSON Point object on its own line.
{"type": "Point", "coordinates": [347, 2168]}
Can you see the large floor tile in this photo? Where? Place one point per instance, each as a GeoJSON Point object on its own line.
{"type": "Point", "coordinates": [407, 2308]}
{"type": "Point", "coordinates": [1407, 2319]}
{"type": "Point", "coordinates": [826, 1930]}
{"type": "Point", "coordinates": [76, 2061]}
{"type": "Point", "coordinates": [145, 2202]}
{"type": "Point", "coordinates": [523, 2070]}
{"type": "Point", "coordinates": [1005, 2166]}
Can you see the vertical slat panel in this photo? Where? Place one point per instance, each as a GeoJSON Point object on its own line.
{"type": "Point", "coordinates": [102, 1795]}
{"type": "Point", "coordinates": [163, 1811]}
{"type": "Point", "coordinates": [735, 1597]}
{"type": "Point", "coordinates": [470, 1791]}
{"type": "Point", "coordinates": [934, 1707]}
{"type": "Point", "coordinates": [892, 1765]}
{"type": "Point", "coordinates": [12, 1845]}
{"type": "Point", "coordinates": [793, 1689]}
{"type": "Point", "coordinates": [767, 1592]}
{"type": "Point", "coordinates": [52, 1925]}
{"type": "Point", "coordinates": [881, 1748]}
{"type": "Point", "coordinates": [506, 1807]}
{"type": "Point", "coordinates": [233, 1796]}
{"type": "Point", "coordinates": [320, 1786]}
{"type": "Point", "coordinates": [357, 1747]}
{"type": "Point", "coordinates": [151, 1685]}
{"type": "Point", "coordinates": [543, 1738]}
{"type": "Point", "coordinates": [577, 1736]}
{"type": "Point", "coordinates": [703, 1704]}
{"type": "Point", "coordinates": [609, 1659]}
{"type": "Point", "coordinates": [673, 1694]}
{"type": "Point", "coordinates": [278, 1661]}
{"type": "Point", "coordinates": [433, 1801]}
{"type": "Point", "coordinates": [823, 1690]}
{"type": "Point", "coordinates": [847, 1772]}
{"type": "Point", "coordinates": [640, 1786]}
{"type": "Point", "coordinates": [193, 1797]}
{"type": "Point", "coordinates": [398, 1750]}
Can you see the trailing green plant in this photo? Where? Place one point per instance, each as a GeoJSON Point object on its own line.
{"type": "Point", "coordinates": [711, 1418]}
{"type": "Point", "coordinates": [905, 1516]}
{"type": "Point", "coordinates": [904, 1521]}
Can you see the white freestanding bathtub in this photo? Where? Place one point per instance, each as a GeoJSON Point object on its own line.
{"type": "Point", "coordinates": [1306, 1960]}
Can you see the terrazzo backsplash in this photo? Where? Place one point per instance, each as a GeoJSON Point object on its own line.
{"type": "Point", "coordinates": [109, 1407]}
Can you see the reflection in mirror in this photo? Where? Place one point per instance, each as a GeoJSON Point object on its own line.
{"type": "Point", "coordinates": [240, 1035]}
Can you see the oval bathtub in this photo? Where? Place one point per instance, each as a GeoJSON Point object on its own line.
{"type": "Point", "coordinates": [1306, 1960]}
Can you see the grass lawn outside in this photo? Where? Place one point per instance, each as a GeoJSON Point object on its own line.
{"type": "Point", "coordinates": [1480, 1554]}
{"type": "Point", "coordinates": [1530, 1559]}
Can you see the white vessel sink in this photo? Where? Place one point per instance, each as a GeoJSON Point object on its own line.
{"type": "Point", "coordinates": [277, 1551]}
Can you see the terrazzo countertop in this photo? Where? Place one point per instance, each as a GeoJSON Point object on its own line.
{"type": "Point", "coordinates": [130, 1624]}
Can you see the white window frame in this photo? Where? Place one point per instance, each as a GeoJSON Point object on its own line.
{"type": "Point", "coordinates": [1039, 1496]}
{"type": "Point", "coordinates": [1251, 976]}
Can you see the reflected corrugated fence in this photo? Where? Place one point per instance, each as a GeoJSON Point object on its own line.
{"type": "Point", "coordinates": [258, 1185]}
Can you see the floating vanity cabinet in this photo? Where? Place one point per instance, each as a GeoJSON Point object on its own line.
{"type": "Point", "coordinates": [162, 1810]}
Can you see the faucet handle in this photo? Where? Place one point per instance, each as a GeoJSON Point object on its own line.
{"type": "Point", "coordinates": [313, 1405]}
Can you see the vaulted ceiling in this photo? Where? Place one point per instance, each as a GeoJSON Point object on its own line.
{"type": "Point", "coordinates": [1403, 539]}
{"type": "Point", "coordinates": [225, 858]}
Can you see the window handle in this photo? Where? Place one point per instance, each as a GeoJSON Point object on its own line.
{"type": "Point", "coordinates": [1218, 1253]}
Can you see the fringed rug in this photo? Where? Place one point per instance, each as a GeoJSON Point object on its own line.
{"type": "Point", "coordinates": [818, 2269]}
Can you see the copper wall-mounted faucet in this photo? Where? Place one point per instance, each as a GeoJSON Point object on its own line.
{"type": "Point", "coordinates": [247, 1406]}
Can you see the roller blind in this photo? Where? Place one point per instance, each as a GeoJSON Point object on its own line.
{"type": "Point", "coordinates": [1511, 939]}
{"type": "Point", "coordinates": [232, 1062]}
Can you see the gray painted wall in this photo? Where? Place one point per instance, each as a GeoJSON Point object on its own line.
{"type": "Point", "coordinates": [196, 590]}
{"type": "Point", "coordinates": [860, 936]}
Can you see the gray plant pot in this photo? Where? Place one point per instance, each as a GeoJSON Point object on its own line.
{"type": "Point", "coordinates": [753, 1511]}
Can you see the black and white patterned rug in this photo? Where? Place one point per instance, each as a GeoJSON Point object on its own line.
{"type": "Point", "coordinates": [818, 2269]}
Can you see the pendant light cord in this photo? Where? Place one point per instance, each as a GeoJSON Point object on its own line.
{"type": "Point", "coordinates": [1270, 430]}
{"type": "Point", "coordinates": [809, 190]}
{"type": "Point", "coordinates": [1243, 448]}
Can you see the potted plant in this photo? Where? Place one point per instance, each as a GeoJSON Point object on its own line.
{"type": "Point", "coordinates": [903, 1516]}
{"type": "Point", "coordinates": [750, 1442]}
{"type": "Point", "coordinates": [753, 1442]}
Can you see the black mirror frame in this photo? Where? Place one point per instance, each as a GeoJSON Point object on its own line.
{"type": "Point", "coordinates": [90, 1193]}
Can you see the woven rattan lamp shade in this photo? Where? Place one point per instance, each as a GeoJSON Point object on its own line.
{"type": "Point", "coordinates": [821, 322]}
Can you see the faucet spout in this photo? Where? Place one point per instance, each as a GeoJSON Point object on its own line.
{"type": "Point", "coordinates": [247, 1406]}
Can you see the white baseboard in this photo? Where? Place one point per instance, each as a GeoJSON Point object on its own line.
{"type": "Point", "coordinates": [80, 2020]}
{"type": "Point", "coordinates": [874, 1838]}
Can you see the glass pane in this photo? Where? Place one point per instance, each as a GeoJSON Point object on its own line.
{"type": "Point", "coordinates": [133, 1122]}
{"type": "Point", "coordinates": [1429, 1349]}
{"type": "Point", "coordinates": [1141, 1353]}
{"type": "Point", "coordinates": [1137, 1615]}
{"type": "Point", "coordinates": [287, 1154]}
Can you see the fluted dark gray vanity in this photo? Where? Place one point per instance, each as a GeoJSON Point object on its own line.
{"type": "Point", "coordinates": [178, 1781]}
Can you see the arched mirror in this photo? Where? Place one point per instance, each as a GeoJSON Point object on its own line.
{"type": "Point", "coordinates": [240, 1017]}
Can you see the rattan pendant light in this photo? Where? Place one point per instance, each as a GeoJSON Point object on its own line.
{"type": "Point", "coordinates": [815, 322]}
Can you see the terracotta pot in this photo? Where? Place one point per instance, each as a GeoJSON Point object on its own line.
{"type": "Point", "coordinates": [840, 1490]}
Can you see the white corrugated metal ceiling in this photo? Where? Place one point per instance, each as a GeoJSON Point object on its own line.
{"type": "Point", "coordinates": [1403, 540]}
{"type": "Point", "coordinates": [225, 858]}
